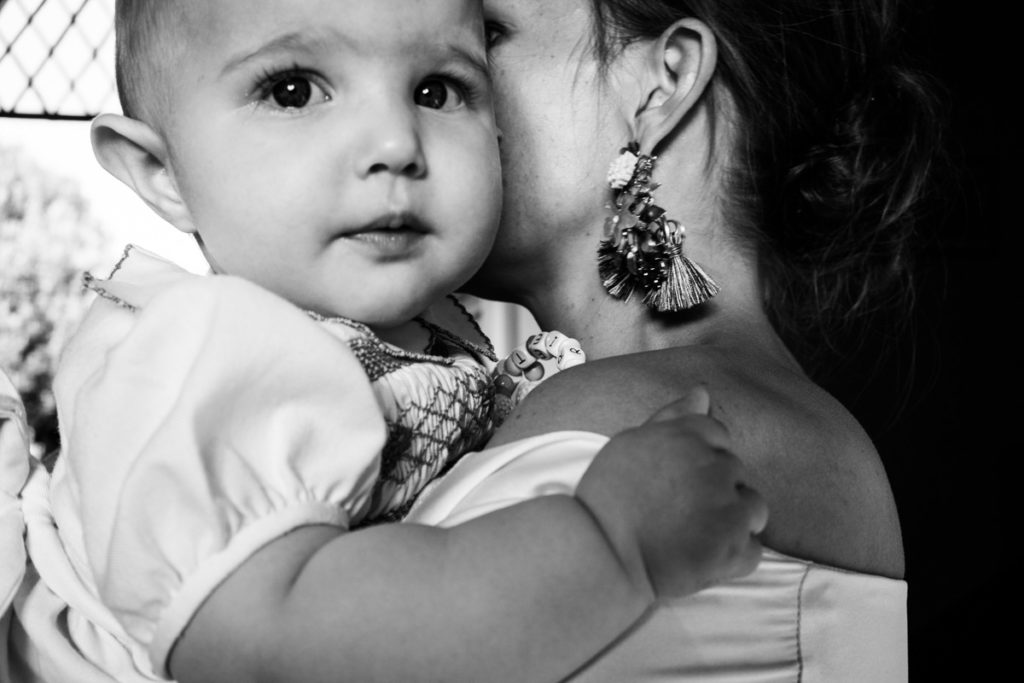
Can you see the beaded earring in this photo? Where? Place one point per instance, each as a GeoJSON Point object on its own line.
{"type": "Point", "coordinates": [642, 250]}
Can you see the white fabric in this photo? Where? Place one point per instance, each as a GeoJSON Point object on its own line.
{"type": "Point", "coordinates": [201, 418]}
{"type": "Point", "coordinates": [221, 446]}
{"type": "Point", "coordinates": [14, 471]}
{"type": "Point", "coordinates": [791, 620]}
{"type": "Point", "coordinates": [236, 418]}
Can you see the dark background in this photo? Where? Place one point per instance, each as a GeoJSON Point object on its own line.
{"type": "Point", "coordinates": [953, 438]}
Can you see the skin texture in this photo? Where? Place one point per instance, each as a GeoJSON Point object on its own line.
{"type": "Point", "coordinates": [282, 195]}
{"type": "Point", "coordinates": [562, 124]}
{"type": "Point", "coordinates": [385, 172]}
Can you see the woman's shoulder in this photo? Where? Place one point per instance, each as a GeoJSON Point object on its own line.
{"type": "Point", "coordinates": [828, 493]}
{"type": "Point", "coordinates": [618, 392]}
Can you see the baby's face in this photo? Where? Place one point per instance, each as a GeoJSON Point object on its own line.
{"type": "Point", "coordinates": [342, 153]}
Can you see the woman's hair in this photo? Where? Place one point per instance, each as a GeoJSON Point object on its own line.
{"type": "Point", "coordinates": [836, 138]}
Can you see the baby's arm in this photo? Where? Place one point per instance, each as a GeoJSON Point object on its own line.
{"type": "Point", "coordinates": [528, 593]}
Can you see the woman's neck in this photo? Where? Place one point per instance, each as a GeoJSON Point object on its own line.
{"type": "Point", "coordinates": [576, 304]}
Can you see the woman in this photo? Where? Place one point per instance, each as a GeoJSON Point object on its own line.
{"type": "Point", "coordinates": [792, 147]}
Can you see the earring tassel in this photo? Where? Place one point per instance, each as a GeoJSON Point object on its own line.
{"type": "Point", "coordinates": [685, 285]}
{"type": "Point", "coordinates": [615, 277]}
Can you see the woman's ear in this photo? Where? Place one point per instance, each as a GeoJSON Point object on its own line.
{"type": "Point", "coordinates": [135, 154]}
{"type": "Point", "coordinates": [681, 63]}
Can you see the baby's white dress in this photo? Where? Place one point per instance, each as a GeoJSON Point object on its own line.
{"type": "Point", "coordinates": [201, 418]}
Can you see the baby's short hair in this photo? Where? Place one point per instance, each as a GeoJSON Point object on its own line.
{"type": "Point", "coordinates": [143, 47]}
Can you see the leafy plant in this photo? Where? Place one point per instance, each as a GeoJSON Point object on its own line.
{"type": "Point", "coordinates": [47, 240]}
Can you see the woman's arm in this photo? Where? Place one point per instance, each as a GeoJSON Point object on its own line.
{"type": "Point", "coordinates": [528, 593]}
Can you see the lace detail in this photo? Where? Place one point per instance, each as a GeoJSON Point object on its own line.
{"type": "Point", "coordinates": [92, 284]}
{"type": "Point", "coordinates": [374, 359]}
{"type": "Point", "coordinates": [486, 349]}
{"type": "Point", "coordinates": [437, 405]}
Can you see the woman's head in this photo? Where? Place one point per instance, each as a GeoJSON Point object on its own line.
{"type": "Point", "coordinates": [829, 140]}
{"type": "Point", "coordinates": [834, 139]}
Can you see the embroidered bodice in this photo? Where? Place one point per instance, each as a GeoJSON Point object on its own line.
{"type": "Point", "coordinates": [437, 406]}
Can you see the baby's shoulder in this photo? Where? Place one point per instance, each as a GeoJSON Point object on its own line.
{"type": "Point", "coordinates": [144, 333]}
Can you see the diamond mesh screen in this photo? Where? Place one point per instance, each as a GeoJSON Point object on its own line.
{"type": "Point", "coordinates": [57, 58]}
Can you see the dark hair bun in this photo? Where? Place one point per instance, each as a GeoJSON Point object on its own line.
{"type": "Point", "coordinates": [849, 207]}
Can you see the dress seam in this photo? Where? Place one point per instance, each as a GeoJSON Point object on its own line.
{"type": "Point", "coordinates": [90, 283]}
{"type": "Point", "coordinates": [799, 624]}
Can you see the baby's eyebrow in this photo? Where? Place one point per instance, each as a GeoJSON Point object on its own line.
{"type": "Point", "coordinates": [295, 40]}
{"type": "Point", "coordinates": [475, 61]}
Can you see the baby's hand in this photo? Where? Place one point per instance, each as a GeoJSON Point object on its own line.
{"type": "Point", "coordinates": [672, 499]}
{"type": "Point", "coordinates": [544, 354]}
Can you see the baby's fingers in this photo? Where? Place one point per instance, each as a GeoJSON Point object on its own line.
{"type": "Point", "coordinates": [747, 559]}
{"type": "Point", "coordinates": [744, 553]}
{"type": "Point", "coordinates": [757, 506]}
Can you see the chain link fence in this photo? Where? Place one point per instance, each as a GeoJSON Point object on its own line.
{"type": "Point", "coordinates": [57, 59]}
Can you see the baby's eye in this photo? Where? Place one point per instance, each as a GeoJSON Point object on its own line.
{"type": "Point", "coordinates": [435, 93]}
{"type": "Point", "coordinates": [291, 91]}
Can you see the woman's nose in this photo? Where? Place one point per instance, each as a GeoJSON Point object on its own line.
{"type": "Point", "coordinates": [392, 144]}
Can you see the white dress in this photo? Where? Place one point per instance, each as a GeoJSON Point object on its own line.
{"type": "Point", "coordinates": [789, 621]}
{"type": "Point", "coordinates": [201, 418]}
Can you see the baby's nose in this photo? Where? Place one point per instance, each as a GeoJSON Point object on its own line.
{"type": "Point", "coordinates": [393, 145]}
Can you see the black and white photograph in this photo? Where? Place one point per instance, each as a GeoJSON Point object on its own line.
{"type": "Point", "coordinates": [507, 341]}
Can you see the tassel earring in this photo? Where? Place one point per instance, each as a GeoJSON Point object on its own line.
{"type": "Point", "coordinates": [642, 251]}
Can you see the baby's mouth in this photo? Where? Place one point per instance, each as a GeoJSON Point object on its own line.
{"type": "Point", "coordinates": [392, 235]}
{"type": "Point", "coordinates": [397, 223]}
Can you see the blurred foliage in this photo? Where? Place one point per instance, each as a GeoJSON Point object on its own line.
{"type": "Point", "coordinates": [47, 240]}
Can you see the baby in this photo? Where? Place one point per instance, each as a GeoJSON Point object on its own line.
{"type": "Point", "coordinates": [228, 438]}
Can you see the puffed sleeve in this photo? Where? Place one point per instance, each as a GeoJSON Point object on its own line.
{"type": "Point", "coordinates": [197, 429]}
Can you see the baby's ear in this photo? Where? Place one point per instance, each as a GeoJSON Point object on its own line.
{"type": "Point", "coordinates": [135, 154]}
{"type": "Point", "coordinates": [680, 65]}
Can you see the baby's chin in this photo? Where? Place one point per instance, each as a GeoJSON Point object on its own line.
{"type": "Point", "coordinates": [383, 318]}
{"type": "Point", "coordinates": [402, 331]}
